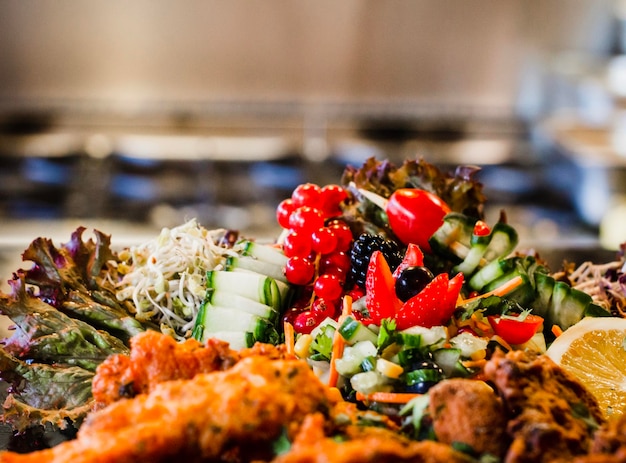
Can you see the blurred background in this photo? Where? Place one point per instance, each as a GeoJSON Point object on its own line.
{"type": "Point", "coordinates": [131, 116]}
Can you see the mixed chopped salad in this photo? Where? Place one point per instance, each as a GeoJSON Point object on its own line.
{"type": "Point", "coordinates": [385, 283]}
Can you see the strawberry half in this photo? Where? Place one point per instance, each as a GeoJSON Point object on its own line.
{"type": "Point", "coordinates": [432, 306]}
{"type": "Point", "coordinates": [380, 289]}
{"type": "Point", "coordinates": [413, 257]}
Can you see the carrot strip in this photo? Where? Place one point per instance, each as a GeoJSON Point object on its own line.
{"type": "Point", "coordinates": [290, 338]}
{"type": "Point", "coordinates": [556, 330]}
{"type": "Point", "coordinates": [338, 342]}
{"type": "Point", "coordinates": [386, 397]}
{"type": "Point", "coordinates": [501, 290]}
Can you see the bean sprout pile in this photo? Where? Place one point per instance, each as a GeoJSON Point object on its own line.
{"type": "Point", "coordinates": [605, 283]}
{"type": "Point", "coordinates": [165, 277]}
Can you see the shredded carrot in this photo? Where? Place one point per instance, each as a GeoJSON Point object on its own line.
{"type": "Point", "coordinates": [289, 338]}
{"type": "Point", "coordinates": [338, 342]}
{"type": "Point", "coordinates": [386, 397]}
{"type": "Point", "coordinates": [501, 290]}
{"type": "Point", "coordinates": [556, 330]}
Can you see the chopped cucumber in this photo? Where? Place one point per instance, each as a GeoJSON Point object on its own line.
{"type": "Point", "coordinates": [456, 229]}
{"type": "Point", "coordinates": [353, 331]}
{"type": "Point", "coordinates": [493, 270]}
{"type": "Point", "coordinates": [367, 382]}
{"type": "Point", "coordinates": [237, 340]}
{"type": "Point", "coordinates": [212, 319]}
{"type": "Point", "coordinates": [568, 305]}
{"type": "Point", "coordinates": [449, 360]}
{"type": "Point", "coordinates": [264, 253]}
{"type": "Point", "coordinates": [252, 264]}
{"type": "Point", "coordinates": [353, 356]}
{"type": "Point", "coordinates": [220, 298]}
{"type": "Point", "coordinates": [255, 286]}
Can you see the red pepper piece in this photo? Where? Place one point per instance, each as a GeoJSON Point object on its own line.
{"type": "Point", "coordinates": [380, 297]}
{"type": "Point", "coordinates": [432, 306]}
{"type": "Point", "coordinates": [481, 228]}
{"type": "Point", "coordinates": [515, 331]}
{"type": "Point", "coordinates": [415, 215]}
{"type": "Point", "coordinates": [413, 257]}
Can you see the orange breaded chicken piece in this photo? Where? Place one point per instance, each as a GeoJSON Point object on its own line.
{"type": "Point", "coordinates": [551, 414]}
{"type": "Point", "coordinates": [470, 412]}
{"type": "Point", "coordinates": [236, 413]}
{"type": "Point", "coordinates": [363, 444]}
{"type": "Point", "coordinates": [154, 358]}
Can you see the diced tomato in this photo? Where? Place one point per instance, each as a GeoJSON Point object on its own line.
{"type": "Point", "coordinates": [380, 296]}
{"type": "Point", "coordinates": [515, 331]}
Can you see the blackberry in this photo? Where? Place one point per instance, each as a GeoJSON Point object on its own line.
{"type": "Point", "coordinates": [362, 250]}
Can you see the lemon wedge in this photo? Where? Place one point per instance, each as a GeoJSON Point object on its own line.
{"type": "Point", "coordinates": [594, 350]}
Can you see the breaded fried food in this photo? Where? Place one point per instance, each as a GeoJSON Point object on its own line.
{"type": "Point", "coordinates": [154, 358]}
{"type": "Point", "coordinates": [363, 444]}
{"type": "Point", "coordinates": [552, 416]}
{"type": "Point", "coordinates": [236, 413]}
{"type": "Point", "coordinates": [469, 412]}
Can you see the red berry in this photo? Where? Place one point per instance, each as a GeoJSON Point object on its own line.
{"type": "Point", "coordinates": [297, 244]}
{"type": "Point", "coordinates": [283, 211]}
{"type": "Point", "coordinates": [323, 308]}
{"type": "Point", "coordinates": [306, 219]}
{"type": "Point", "coordinates": [343, 234]}
{"type": "Point", "coordinates": [328, 286]}
{"type": "Point", "coordinates": [331, 198]}
{"type": "Point", "coordinates": [305, 322]}
{"type": "Point", "coordinates": [337, 263]}
{"type": "Point", "coordinates": [323, 240]}
{"type": "Point", "coordinates": [299, 271]}
{"type": "Point", "coordinates": [307, 194]}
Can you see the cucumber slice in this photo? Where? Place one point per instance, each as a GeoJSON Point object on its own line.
{"type": "Point", "coordinates": [237, 340]}
{"type": "Point", "coordinates": [225, 299]}
{"type": "Point", "coordinates": [354, 331]}
{"type": "Point", "coordinates": [449, 360]}
{"type": "Point", "coordinates": [212, 319]}
{"type": "Point", "coordinates": [255, 286]}
{"type": "Point", "coordinates": [568, 305]}
{"type": "Point", "coordinates": [255, 265]}
{"type": "Point", "coordinates": [493, 270]}
{"type": "Point", "coordinates": [264, 252]}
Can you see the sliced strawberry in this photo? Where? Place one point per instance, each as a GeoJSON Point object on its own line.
{"type": "Point", "coordinates": [433, 306]}
{"type": "Point", "coordinates": [380, 297]}
{"type": "Point", "coordinates": [413, 257]}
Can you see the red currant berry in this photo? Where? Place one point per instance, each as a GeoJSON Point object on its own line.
{"type": "Point", "coordinates": [343, 235]}
{"type": "Point", "coordinates": [324, 309]}
{"type": "Point", "coordinates": [307, 194]}
{"type": "Point", "coordinates": [297, 244]}
{"type": "Point", "coordinates": [331, 198]}
{"type": "Point", "coordinates": [337, 263]}
{"type": "Point", "coordinates": [305, 322]}
{"type": "Point", "coordinates": [299, 271]}
{"type": "Point", "coordinates": [306, 219]}
{"type": "Point", "coordinates": [328, 286]}
{"type": "Point", "coordinates": [283, 211]}
{"type": "Point", "coordinates": [323, 240]}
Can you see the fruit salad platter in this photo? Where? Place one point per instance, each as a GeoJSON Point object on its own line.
{"type": "Point", "coordinates": [385, 283]}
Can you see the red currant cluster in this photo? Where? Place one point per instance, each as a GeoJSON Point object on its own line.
{"type": "Point", "coordinates": [317, 243]}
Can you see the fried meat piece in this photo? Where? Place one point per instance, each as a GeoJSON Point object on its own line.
{"type": "Point", "coordinates": [469, 412]}
{"type": "Point", "coordinates": [243, 409]}
{"type": "Point", "coordinates": [154, 358]}
{"type": "Point", "coordinates": [363, 444]}
{"type": "Point", "coordinates": [551, 414]}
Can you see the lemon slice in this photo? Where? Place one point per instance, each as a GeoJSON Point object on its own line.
{"type": "Point", "coordinates": [594, 350]}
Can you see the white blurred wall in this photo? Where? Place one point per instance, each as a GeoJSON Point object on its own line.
{"type": "Point", "coordinates": [463, 52]}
